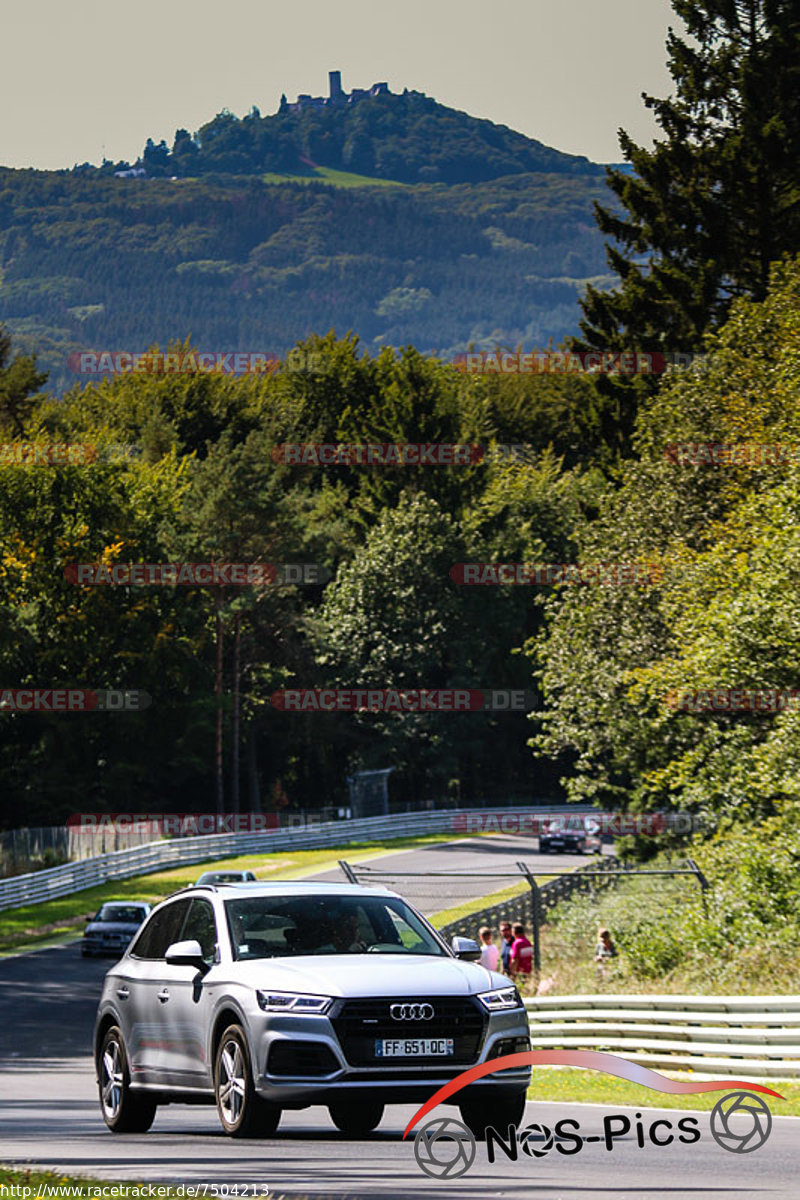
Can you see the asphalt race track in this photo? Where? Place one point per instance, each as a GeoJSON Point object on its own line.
{"type": "Point", "coordinates": [474, 860]}
{"type": "Point", "coordinates": [49, 1114]}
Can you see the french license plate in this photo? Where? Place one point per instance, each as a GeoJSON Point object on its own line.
{"type": "Point", "coordinates": [413, 1047]}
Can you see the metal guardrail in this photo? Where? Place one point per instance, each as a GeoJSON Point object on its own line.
{"type": "Point", "coordinates": [755, 1036]}
{"type": "Point", "coordinates": [157, 856]}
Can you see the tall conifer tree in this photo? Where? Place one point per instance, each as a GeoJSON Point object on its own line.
{"type": "Point", "coordinates": [718, 197]}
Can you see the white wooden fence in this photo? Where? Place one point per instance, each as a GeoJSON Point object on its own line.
{"type": "Point", "coordinates": [741, 1036]}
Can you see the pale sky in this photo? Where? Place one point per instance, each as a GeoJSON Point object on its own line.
{"type": "Point", "coordinates": [89, 77]}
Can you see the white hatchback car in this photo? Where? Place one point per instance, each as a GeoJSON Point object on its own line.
{"type": "Point", "coordinates": [264, 997]}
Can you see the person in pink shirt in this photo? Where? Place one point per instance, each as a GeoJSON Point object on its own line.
{"type": "Point", "coordinates": [520, 960]}
{"type": "Point", "coordinates": [490, 955]}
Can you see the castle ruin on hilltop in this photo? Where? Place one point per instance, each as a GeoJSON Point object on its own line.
{"type": "Point", "coordinates": [336, 95]}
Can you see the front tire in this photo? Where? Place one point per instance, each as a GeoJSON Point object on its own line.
{"type": "Point", "coordinates": [124, 1111]}
{"type": "Point", "coordinates": [356, 1118]}
{"type": "Point", "coordinates": [499, 1113]}
{"type": "Point", "coordinates": [242, 1112]}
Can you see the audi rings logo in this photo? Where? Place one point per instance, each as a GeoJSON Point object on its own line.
{"type": "Point", "coordinates": [444, 1148]}
{"type": "Point", "coordinates": [740, 1122]}
{"type": "Point", "coordinates": [411, 1012]}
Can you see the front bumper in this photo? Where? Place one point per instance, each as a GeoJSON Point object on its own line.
{"type": "Point", "coordinates": [312, 1044]}
{"type": "Point", "coordinates": [104, 948]}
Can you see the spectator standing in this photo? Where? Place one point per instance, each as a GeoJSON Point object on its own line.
{"type": "Point", "coordinates": [505, 950]}
{"type": "Point", "coordinates": [490, 955]}
{"type": "Point", "coordinates": [520, 958]}
{"type": "Point", "coordinates": [605, 948]}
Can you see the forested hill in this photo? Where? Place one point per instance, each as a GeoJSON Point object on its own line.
{"type": "Point", "coordinates": [409, 138]}
{"type": "Point", "coordinates": [242, 264]}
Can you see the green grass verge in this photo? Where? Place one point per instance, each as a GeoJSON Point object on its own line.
{"type": "Point", "coordinates": [468, 907]}
{"type": "Point", "coordinates": [344, 179]}
{"type": "Point", "coordinates": [709, 955]}
{"type": "Point", "coordinates": [460, 911]}
{"type": "Point", "coordinates": [591, 1087]}
{"type": "Point", "coordinates": [51, 920]}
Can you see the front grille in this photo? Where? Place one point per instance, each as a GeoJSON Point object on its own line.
{"type": "Point", "coordinates": [301, 1058]}
{"type": "Point", "coordinates": [358, 1023]}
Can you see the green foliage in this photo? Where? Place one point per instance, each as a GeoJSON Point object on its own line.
{"type": "Point", "coordinates": [748, 941]}
{"type": "Point", "coordinates": [19, 381]}
{"type": "Point", "coordinates": [409, 138]}
{"type": "Point", "coordinates": [715, 202]}
{"type": "Point", "coordinates": [722, 616]}
{"type": "Point", "coordinates": [206, 486]}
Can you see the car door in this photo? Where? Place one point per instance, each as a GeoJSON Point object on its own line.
{"type": "Point", "coordinates": [185, 997]}
{"type": "Point", "coordinates": [140, 992]}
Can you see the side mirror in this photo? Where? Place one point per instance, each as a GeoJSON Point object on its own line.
{"type": "Point", "coordinates": [466, 949]}
{"type": "Point", "coordinates": [186, 954]}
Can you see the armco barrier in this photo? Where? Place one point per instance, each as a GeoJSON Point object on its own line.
{"type": "Point", "coordinates": [157, 856]}
{"type": "Point", "coordinates": [744, 1036]}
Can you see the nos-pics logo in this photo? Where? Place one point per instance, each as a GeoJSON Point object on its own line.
{"type": "Point", "coordinates": [445, 1148]}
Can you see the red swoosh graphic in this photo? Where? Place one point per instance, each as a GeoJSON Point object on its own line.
{"type": "Point", "coordinates": [593, 1060]}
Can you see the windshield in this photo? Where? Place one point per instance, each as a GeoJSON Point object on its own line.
{"type": "Point", "coordinates": [126, 914]}
{"type": "Point", "coordinates": [283, 926]}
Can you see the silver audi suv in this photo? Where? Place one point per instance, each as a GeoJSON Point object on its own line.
{"type": "Point", "coordinates": [263, 997]}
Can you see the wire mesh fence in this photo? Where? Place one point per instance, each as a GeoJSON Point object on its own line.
{"type": "Point", "coordinates": [36, 849]}
{"type": "Point", "coordinates": [459, 903]}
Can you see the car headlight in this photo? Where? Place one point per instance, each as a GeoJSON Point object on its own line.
{"type": "Point", "coordinates": [501, 999]}
{"type": "Point", "coordinates": [293, 1002]}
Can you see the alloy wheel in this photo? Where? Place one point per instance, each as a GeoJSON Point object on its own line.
{"type": "Point", "coordinates": [112, 1079]}
{"type": "Point", "coordinates": [231, 1081]}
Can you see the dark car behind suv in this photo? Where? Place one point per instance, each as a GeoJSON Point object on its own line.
{"type": "Point", "coordinates": [111, 929]}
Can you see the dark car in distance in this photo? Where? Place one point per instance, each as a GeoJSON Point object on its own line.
{"type": "Point", "coordinates": [110, 931]}
{"type": "Point", "coordinates": [564, 837]}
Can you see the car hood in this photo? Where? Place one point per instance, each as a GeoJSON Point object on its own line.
{"type": "Point", "coordinates": [116, 927]}
{"type": "Point", "coordinates": [370, 975]}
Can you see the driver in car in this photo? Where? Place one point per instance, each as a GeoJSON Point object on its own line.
{"type": "Point", "coordinates": [345, 937]}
